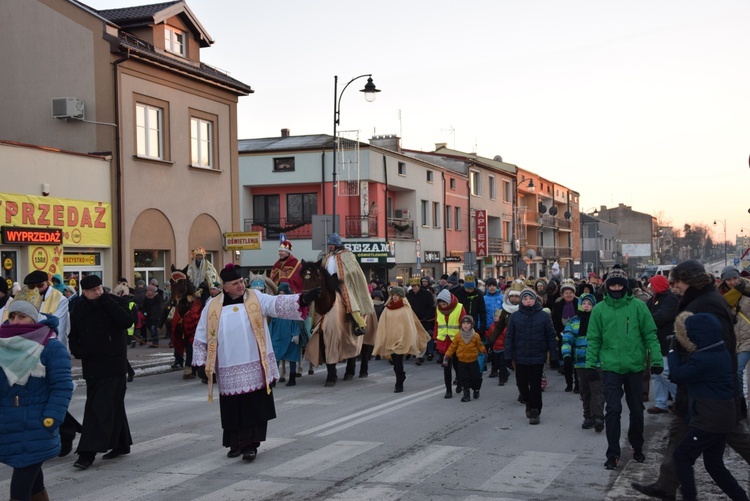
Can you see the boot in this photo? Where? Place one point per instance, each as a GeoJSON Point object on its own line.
{"type": "Point", "coordinates": [400, 378]}
{"type": "Point", "coordinates": [332, 377]}
{"type": "Point", "coordinates": [188, 373]}
{"type": "Point", "coordinates": [467, 396]}
{"type": "Point", "coordinates": [534, 419]}
{"type": "Point", "coordinates": [292, 379]}
{"type": "Point", "coordinates": [40, 496]}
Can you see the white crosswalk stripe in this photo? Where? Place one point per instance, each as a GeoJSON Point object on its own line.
{"type": "Point", "coordinates": [318, 461]}
{"type": "Point", "coordinates": [418, 466]}
{"type": "Point", "coordinates": [529, 472]}
{"type": "Point", "coordinates": [247, 489]}
{"type": "Point", "coordinates": [361, 493]}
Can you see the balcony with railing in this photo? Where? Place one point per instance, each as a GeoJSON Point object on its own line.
{"type": "Point", "coordinates": [270, 228]}
{"type": "Point", "coordinates": [399, 228]}
{"type": "Point", "coordinates": [498, 246]}
{"type": "Point", "coordinates": [361, 226]}
{"type": "Point", "coordinates": [554, 252]}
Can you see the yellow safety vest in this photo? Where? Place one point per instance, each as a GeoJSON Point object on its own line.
{"type": "Point", "coordinates": [452, 327]}
{"type": "Point", "coordinates": [131, 329]}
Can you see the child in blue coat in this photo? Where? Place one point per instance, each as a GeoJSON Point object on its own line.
{"type": "Point", "coordinates": [35, 389]}
{"type": "Point", "coordinates": [700, 360]}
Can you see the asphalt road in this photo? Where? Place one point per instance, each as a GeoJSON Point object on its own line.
{"type": "Point", "coordinates": [360, 441]}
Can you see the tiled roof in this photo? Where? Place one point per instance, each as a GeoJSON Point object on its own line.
{"type": "Point", "coordinates": [311, 142]}
{"type": "Point", "coordinates": [453, 164]}
{"type": "Point", "coordinates": [138, 46]}
{"type": "Point", "coordinates": [128, 16]}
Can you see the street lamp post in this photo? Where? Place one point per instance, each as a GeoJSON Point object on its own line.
{"type": "Point", "coordinates": [370, 91]}
{"type": "Point", "coordinates": [724, 224]}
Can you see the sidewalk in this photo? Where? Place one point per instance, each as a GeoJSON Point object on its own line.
{"type": "Point", "coordinates": [145, 360]}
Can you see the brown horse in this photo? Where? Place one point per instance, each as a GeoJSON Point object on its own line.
{"type": "Point", "coordinates": [185, 304]}
{"type": "Point", "coordinates": [332, 340]}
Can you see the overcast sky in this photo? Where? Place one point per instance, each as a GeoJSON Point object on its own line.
{"type": "Point", "coordinates": [640, 102]}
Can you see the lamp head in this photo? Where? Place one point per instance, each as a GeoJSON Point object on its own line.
{"type": "Point", "coordinates": [370, 90]}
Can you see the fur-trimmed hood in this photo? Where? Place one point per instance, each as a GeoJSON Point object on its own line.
{"type": "Point", "coordinates": [698, 331]}
{"type": "Point", "coordinates": [692, 273]}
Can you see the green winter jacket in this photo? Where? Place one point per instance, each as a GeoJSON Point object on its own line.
{"type": "Point", "coordinates": [621, 333]}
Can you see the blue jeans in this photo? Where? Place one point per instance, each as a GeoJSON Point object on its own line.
{"type": "Point", "coordinates": [615, 385]}
{"type": "Point", "coordinates": [743, 357]}
{"type": "Point", "coordinates": [663, 387]}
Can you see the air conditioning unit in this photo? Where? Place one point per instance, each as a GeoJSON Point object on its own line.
{"type": "Point", "coordinates": [402, 213]}
{"type": "Point", "coordinates": [67, 107]}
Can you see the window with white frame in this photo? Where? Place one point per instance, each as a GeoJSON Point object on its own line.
{"type": "Point", "coordinates": [476, 183]}
{"type": "Point", "coordinates": [201, 143]}
{"type": "Point", "coordinates": [430, 176]}
{"type": "Point", "coordinates": [174, 41]}
{"type": "Point", "coordinates": [425, 213]}
{"type": "Point", "coordinates": [435, 214]}
{"type": "Point", "coordinates": [401, 169]}
{"type": "Point", "coordinates": [448, 216]}
{"type": "Point", "coordinates": [492, 187]}
{"type": "Point", "coordinates": [507, 194]}
{"type": "Point", "coordinates": [457, 219]}
{"type": "Point", "coordinates": [148, 124]}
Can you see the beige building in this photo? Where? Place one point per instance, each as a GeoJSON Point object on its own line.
{"type": "Point", "coordinates": [129, 83]}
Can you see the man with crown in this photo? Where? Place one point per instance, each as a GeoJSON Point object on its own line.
{"type": "Point", "coordinates": [287, 268]}
{"type": "Point", "coordinates": [201, 272]}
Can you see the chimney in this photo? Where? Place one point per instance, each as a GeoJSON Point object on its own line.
{"type": "Point", "coordinates": [285, 132]}
{"type": "Point", "coordinates": [387, 141]}
{"type": "Point", "coordinates": [440, 146]}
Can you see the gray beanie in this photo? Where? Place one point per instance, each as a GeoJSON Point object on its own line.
{"type": "Point", "coordinates": [729, 272]}
{"type": "Point", "coordinates": [334, 239]}
{"type": "Point", "coordinates": [24, 307]}
{"type": "Point", "coordinates": [445, 296]}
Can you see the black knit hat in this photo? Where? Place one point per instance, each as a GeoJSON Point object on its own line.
{"type": "Point", "coordinates": [90, 281]}
{"type": "Point", "coordinates": [692, 273]}
{"type": "Point", "coordinates": [490, 281]}
{"type": "Point", "coordinates": [617, 276]}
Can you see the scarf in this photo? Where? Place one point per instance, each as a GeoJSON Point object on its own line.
{"type": "Point", "coordinates": [467, 336]}
{"type": "Point", "coordinates": [569, 310]}
{"type": "Point", "coordinates": [21, 347]}
{"type": "Point", "coordinates": [395, 303]}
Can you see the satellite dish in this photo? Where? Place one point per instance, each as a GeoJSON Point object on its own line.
{"type": "Point", "coordinates": [567, 214]}
{"type": "Point", "coordinates": [553, 211]}
{"type": "Point", "coordinates": [531, 253]}
{"type": "Point", "coordinates": [497, 158]}
{"type": "Point", "coordinates": [542, 208]}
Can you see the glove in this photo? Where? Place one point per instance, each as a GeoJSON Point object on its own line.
{"type": "Point", "coordinates": [307, 297]}
{"type": "Point", "coordinates": [593, 375]}
{"type": "Point", "coordinates": [445, 361]}
{"type": "Point", "coordinates": [295, 339]}
{"type": "Point", "coordinates": [656, 370]}
{"type": "Point", "coordinates": [554, 364]}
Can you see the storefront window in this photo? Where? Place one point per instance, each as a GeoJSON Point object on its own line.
{"type": "Point", "coordinates": [149, 264]}
{"type": "Point", "coordinates": [77, 265]}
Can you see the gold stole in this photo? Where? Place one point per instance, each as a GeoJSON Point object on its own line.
{"type": "Point", "coordinates": [51, 303]}
{"type": "Point", "coordinates": [255, 315]}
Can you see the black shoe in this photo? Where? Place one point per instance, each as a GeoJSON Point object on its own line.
{"type": "Point", "coordinates": [131, 375]}
{"type": "Point", "coordinates": [448, 394]}
{"type": "Point", "coordinates": [418, 361]}
{"type": "Point", "coordinates": [116, 453]}
{"type": "Point", "coordinates": [521, 399]}
{"type": "Point", "coordinates": [459, 388]}
{"type": "Point", "coordinates": [654, 492]}
{"type": "Point", "coordinates": [576, 390]}
{"type": "Point", "coordinates": [493, 373]}
{"type": "Point", "coordinates": [84, 460]}
{"type": "Point", "coordinates": [282, 380]}
{"type": "Point", "coordinates": [234, 453]}
{"type": "Point", "coordinates": [587, 424]}
{"type": "Point", "coordinates": [612, 463]}
{"type": "Point", "coordinates": [399, 388]}
{"type": "Point", "coordinates": [598, 425]}
{"type": "Point", "coordinates": [292, 382]}
{"type": "Point", "coordinates": [310, 371]}
{"type": "Point", "coordinates": [466, 397]}
{"type": "Point", "coordinates": [297, 374]}
{"type": "Point", "coordinates": [475, 394]}
{"type": "Point", "coordinates": [249, 453]}
{"type": "Point", "coordinates": [639, 456]}
{"type": "Point", "coordinates": [569, 388]}
{"type": "Point", "coordinates": [429, 357]}
{"type": "Point", "coordinates": [176, 366]}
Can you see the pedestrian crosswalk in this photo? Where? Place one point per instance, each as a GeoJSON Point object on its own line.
{"type": "Point", "coordinates": [215, 477]}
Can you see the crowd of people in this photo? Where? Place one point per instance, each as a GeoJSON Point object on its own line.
{"type": "Point", "coordinates": [686, 336]}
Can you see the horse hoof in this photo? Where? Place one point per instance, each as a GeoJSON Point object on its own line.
{"type": "Point", "coordinates": [348, 377]}
{"type": "Point", "coordinates": [310, 372]}
{"type": "Point", "coordinates": [329, 384]}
